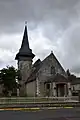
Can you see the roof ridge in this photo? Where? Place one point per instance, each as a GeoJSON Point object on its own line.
{"type": "Point", "coordinates": [55, 59]}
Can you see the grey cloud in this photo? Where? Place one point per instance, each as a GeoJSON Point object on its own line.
{"type": "Point", "coordinates": [76, 69]}
{"type": "Point", "coordinates": [71, 47]}
{"type": "Point", "coordinates": [57, 20]}
{"type": "Point", "coordinates": [14, 13]}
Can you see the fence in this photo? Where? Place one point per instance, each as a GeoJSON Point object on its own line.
{"type": "Point", "coordinates": [25, 100]}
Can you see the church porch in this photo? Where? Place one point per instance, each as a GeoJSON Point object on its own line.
{"type": "Point", "coordinates": [61, 89]}
{"type": "Point", "coordinates": [58, 86]}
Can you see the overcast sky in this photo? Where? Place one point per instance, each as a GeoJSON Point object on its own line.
{"type": "Point", "coordinates": [53, 25]}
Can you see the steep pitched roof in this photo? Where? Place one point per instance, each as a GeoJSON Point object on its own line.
{"type": "Point", "coordinates": [25, 49]}
{"type": "Point", "coordinates": [36, 67]}
{"type": "Point", "coordinates": [37, 63]}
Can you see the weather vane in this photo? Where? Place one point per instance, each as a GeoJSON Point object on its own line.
{"type": "Point", "coordinates": [25, 22]}
{"type": "Point", "coordinates": [51, 51]}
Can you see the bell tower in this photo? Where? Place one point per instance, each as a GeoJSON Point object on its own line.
{"type": "Point", "coordinates": [24, 57]}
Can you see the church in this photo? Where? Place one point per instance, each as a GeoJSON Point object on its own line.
{"type": "Point", "coordinates": [43, 78]}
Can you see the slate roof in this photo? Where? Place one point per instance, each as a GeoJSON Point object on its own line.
{"type": "Point", "coordinates": [37, 64]}
{"type": "Point", "coordinates": [36, 67]}
{"type": "Point", "coordinates": [57, 78]}
{"type": "Point", "coordinates": [25, 50]}
{"type": "Point", "coordinates": [76, 81]}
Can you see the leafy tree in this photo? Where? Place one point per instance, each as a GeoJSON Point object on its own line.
{"type": "Point", "coordinates": [8, 77]}
{"type": "Point", "coordinates": [18, 75]}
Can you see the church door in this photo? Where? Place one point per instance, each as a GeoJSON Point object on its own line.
{"type": "Point", "coordinates": [60, 90]}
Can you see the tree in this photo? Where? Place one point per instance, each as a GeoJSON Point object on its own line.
{"type": "Point", "coordinates": [8, 79]}
{"type": "Point", "coordinates": [18, 75]}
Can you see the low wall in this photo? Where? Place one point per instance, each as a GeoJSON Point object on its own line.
{"type": "Point", "coordinates": [25, 100]}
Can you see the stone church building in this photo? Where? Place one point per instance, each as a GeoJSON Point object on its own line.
{"type": "Point", "coordinates": [43, 78]}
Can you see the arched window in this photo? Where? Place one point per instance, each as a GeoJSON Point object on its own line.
{"type": "Point", "coordinates": [52, 70]}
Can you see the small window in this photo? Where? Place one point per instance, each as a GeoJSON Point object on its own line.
{"type": "Point", "coordinates": [52, 70]}
{"type": "Point", "coordinates": [48, 86]}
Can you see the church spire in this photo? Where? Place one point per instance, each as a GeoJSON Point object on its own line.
{"type": "Point", "coordinates": [25, 42]}
{"type": "Point", "coordinates": [25, 50]}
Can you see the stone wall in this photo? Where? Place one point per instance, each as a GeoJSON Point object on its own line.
{"type": "Point", "coordinates": [42, 89]}
{"type": "Point", "coordinates": [31, 88]}
{"type": "Point", "coordinates": [46, 67]}
{"type": "Point", "coordinates": [25, 68]}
